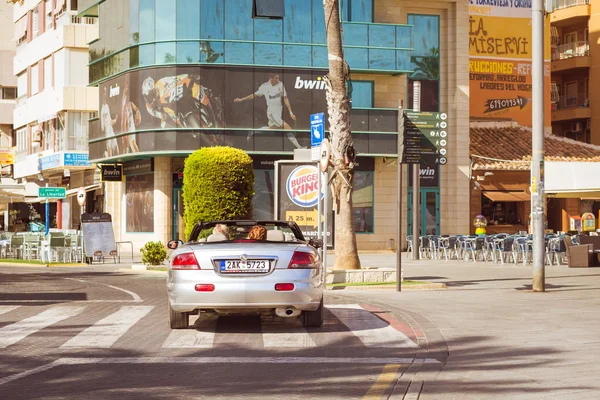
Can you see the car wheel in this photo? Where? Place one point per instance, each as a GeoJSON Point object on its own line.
{"type": "Point", "coordinates": [178, 320]}
{"type": "Point", "coordinates": [313, 318]}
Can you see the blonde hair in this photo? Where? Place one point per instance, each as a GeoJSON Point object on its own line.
{"type": "Point", "coordinates": [258, 232]}
{"type": "Point", "coordinates": [221, 229]}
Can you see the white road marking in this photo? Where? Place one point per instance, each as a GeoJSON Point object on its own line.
{"type": "Point", "coordinates": [284, 335]}
{"type": "Point", "coordinates": [5, 309]}
{"type": "Point", "coordinates": [201, 337]}
{"type": "Point", "coordinates": [12, 333]}
{"type": "Point", "coordinates": [372, 331]}
{"type": "Point", "coordinates": [107, 331]}
{"type": "Point", "coordinates": [136, 298]}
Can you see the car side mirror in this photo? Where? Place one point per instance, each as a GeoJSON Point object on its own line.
{"type": "Point", "coordinates": [173, 244]}
{"type": "Point", "coordinates": [316, 243]}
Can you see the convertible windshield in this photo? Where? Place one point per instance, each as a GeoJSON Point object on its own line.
{"type": "Point", "coordinates": [278, 231]}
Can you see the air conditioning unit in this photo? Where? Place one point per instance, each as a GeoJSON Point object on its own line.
{"type": "Point", "coordinates": [576, 127]}
{"type": "Point", "coordinates": [589, 124]}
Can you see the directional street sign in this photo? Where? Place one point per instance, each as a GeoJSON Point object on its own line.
{"type": "Point", "coordinates": [317, 133]}
{"type": "Point", "coordinates": [425, 138]}
{"type": "Point", "coordinates": [52, 192]}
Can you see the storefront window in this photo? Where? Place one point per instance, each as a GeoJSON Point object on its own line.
{"type": "Point", "coordinates": [140, 203]}
{"type": "Point", "coordinates": [361, 94]}
{"type": "Point", "coordinates": [362, 200]}
{"type": "Point", "coordinates": [500, 213]}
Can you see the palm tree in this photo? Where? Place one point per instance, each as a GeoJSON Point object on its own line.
{"type": "Point", "coordinates": [427, 67]}
{"type": "Point", "coordinates": [342, 146]}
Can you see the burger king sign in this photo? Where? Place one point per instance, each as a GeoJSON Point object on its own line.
{"type": "Point", "coordinates": [303, 186]}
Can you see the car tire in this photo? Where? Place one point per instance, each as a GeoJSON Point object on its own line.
{"type": "Point", "coordinates": [313, 319]}
{"type": "Point", "coordinates": [178, 320]}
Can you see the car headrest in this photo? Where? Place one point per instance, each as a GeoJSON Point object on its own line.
{"type": "Point", "coordinates": [202, 240]}
{"type": "Point", "coordinates": [216, 237]}
{"type": "Point", "coordinates": [275, 236]}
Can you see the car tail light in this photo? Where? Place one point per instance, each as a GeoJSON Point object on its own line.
{"type": "Point", "coordinates": [284, 287]}
{"type": "Point", "coordinates": [205, 287]}
{"type": "Point", "coordinates": [302, 260]}
{"type": "Point", "coordinates": [185, 261]}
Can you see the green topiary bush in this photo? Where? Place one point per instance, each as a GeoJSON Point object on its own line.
{"type": "Point", "coordinates": [218, 184]}
{"type": "Point", "coordinates": [153, 253]}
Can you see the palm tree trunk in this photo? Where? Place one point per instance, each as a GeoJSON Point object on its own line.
{"type": "Point", "coordinates": [342, 146]}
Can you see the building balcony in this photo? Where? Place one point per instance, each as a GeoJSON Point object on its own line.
{"type": "Point", "coordinates": [571, 55]}
{"type": "Point", "coordinates": [567, 12]}
{"type": "Point", "coordinates": [6, 111]}
{"type": "Point", "coordinates": [71, 31]}
{"type": "Point", "coordinates": [574, 107]}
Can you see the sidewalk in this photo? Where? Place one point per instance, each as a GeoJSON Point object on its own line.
{"type": "Point", "coordinates": [503, 340]}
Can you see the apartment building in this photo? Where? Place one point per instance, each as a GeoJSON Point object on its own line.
{"type": "Point", "coordinates": [8, 89]}
{"type": "Point", "coordinates": [572, 69]}
{"type": "Point", "coordinates": [54, 104]}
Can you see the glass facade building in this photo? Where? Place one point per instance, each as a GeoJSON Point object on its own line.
{"type": "Point", "coordinates": [177, 75]}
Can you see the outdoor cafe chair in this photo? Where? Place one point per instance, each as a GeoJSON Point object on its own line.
{"type": "Point", "coordinates": [32, 244]}
{"type": "Point", "coordinates": [409, 245]}
{"type": "Point", "coordinates": [57, 246]}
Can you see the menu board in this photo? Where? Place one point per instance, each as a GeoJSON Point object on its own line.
{"type": "Point", "coordinates": [98, 235]}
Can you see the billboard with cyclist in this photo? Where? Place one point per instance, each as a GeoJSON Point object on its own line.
{"type": "Point", "coordinates": [187, 107]}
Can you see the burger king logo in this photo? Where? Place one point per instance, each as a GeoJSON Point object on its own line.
{"type": "Point", "coordinates": [303, 186]}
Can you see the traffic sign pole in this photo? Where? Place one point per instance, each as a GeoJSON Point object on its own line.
{"type": "Point", "coordinates": [416, 183]}
{"type": "Point", "coordinates": [399, 223]}
{"type": "Point", "coordinates": [47, 215]}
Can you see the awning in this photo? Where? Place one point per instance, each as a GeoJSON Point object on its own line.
{"type": "Point", "coordinates": [577, 180]}
{"type": "Point", "coordinates": [497, 196]}
{"type": "Point", "coordinates": [70, 193]}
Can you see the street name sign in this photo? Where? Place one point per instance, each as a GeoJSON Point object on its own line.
{"type": "Point", "coordinates": [52, 192]}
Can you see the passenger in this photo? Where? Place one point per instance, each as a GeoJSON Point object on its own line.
{"type": "Point", "coordinates": [221, 229]}
{"type": "Point", "coordinates": [258, 232]}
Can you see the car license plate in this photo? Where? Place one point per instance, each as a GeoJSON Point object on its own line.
{"type": "Point", "coordinates": [238, 266]}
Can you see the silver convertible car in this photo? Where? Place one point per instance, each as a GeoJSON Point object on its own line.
{"type": "Point", "coordinates": [246, 267]}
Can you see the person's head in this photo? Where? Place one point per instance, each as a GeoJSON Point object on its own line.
{"type": "Point", "coordinates": [221, 229]}
{"type": "Point", "coordinates": [258, 232]}
{"type": "Point", "coordinates": [274, 78]}
{"type": "Point", "coordinates": [149, 90]}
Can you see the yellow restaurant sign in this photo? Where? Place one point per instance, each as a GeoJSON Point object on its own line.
{"type": "Point", "coordinates": [6, 156]}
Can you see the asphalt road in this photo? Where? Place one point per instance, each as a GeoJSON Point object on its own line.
{"type": "Point", "coordinates": [70, 333]}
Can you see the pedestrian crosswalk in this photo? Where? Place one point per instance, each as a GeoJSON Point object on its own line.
{"type": "Point", "coordinates": [343, 322]}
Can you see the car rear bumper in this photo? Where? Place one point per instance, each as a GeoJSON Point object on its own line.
{"type": "Point", "coordinates": [249, 293]}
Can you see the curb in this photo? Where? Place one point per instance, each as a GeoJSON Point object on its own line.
{"type": "Point", "coordinates": [7, 264]}
{"type": "Point", "coordinates": [142, 271]}
{"type": "Point", "coordinates": [426, 286]}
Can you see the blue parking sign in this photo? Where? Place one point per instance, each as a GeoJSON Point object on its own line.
{"type": "Point", "coordinates": [317, 129]}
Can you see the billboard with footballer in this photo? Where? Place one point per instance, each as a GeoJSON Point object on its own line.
{"type": "Point", "coordinates": [165, 107]}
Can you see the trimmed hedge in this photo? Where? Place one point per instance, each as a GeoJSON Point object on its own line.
{"type": "Point", "coordinates": [218, 184]}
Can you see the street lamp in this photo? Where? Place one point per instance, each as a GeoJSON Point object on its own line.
{"type": "Point", "coordinates": [537, 145]}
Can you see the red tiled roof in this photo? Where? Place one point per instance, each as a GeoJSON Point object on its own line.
{"type": "Point", "coordinates": [507, 146]}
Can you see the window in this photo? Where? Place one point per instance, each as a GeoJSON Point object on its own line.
{"type": "Point", "coordinates": [268, 9]}
{"type": "Point", "coordinates": [362, 201]}
{"type": "Point", "coordinates": [9, 93]}
{"type": "Point", "coordinates": [73, 5]}
{"type": "Point", "coordinates": [554, 95]}
{"type": "Point", "coordinates": [361, 94]}
{"type": "Point", "coordinates": [48, 135]}
{"type": "Point", "coordinates": [22, 84]}
{"type": "Point", "coordinates": [48, 84]}
{"type": "Point", "coordinates": [48, 14]}
{"type": "Point", "coordinates": [35, 23]}
{"type": "Point", "coordinates": [77, 124]}
{"type": "Point", "coordinates": [571, 94]}
{"type": "Point", "coordinates": [34, 80]}
{"type": "Point", "coordinates": [357, 10]}
{"type": "Point", "coordinates": [139, 192]}
{"type": "Point", "coordinates": [570, 37]}
{"type": "Point", "coordinates": [21, 140]}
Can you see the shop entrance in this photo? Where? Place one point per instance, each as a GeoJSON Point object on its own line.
{"type": "Point", "coordinates": [177, 202]}
{"type": "Point", "coordinates": [430, 211]}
